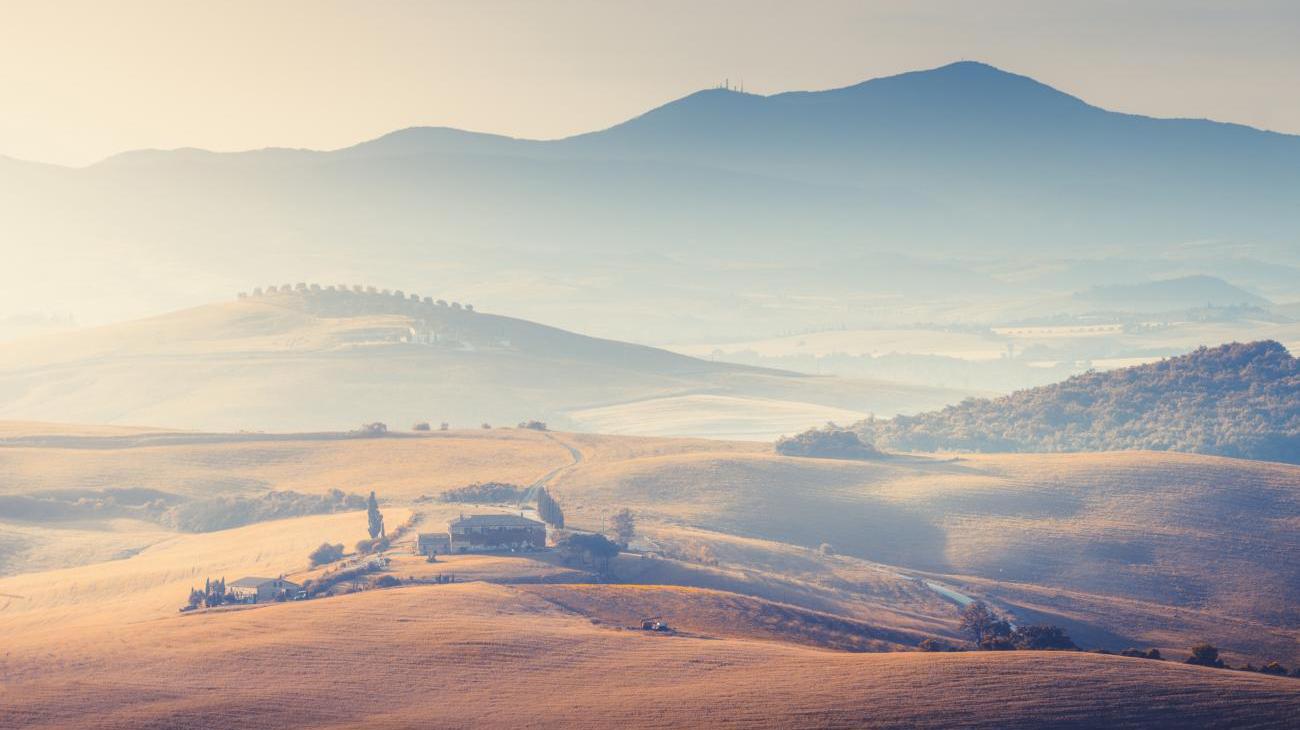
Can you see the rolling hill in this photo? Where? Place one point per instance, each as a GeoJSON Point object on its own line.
{"type": "Point", "coordinates": [1240, 400]}
{"type": "Point", "coordinates": [475, 655]}
{"type": "Point", "coordinates": [1124, 549]}
{"type": "Point", "coordinates": [1165, 295]}
{"type": "Point", "coordinates": [325, 358]}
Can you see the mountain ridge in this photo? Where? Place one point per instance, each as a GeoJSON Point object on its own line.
{"type": "Point", "coordinates": [944, 74]}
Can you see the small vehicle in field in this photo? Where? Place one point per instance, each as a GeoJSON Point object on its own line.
{"type": "Point", "coordinates": [654, 623]}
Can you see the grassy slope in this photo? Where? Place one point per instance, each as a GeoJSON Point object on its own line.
{"type": "Point", "coordinates": [1142, 548]}
{"type": "Point", "coordinates": [475, 655]}
{"type": "Point", "coordinates": [1205, 542]}
{"type": "Point", "coordinates": [272, 363]}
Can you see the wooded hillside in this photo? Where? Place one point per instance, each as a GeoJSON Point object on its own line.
{"type": "Point", "coordinates": [1238, 400]}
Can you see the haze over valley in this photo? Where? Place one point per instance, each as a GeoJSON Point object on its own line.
{"type": "Point", "coordinates": [910, 390]}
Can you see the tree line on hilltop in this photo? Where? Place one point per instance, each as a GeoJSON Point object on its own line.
{"type": "Point", "coordinates": [353, 290]}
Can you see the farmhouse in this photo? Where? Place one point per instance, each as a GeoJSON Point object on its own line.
{"type": "Point", "coordinates": [257, 590]}
{"type": "Point", "coordinates": [432, 543]}
{"type": "Point", "coordinates": [485, 533]}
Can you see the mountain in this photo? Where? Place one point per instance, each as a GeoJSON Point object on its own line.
{"type": "Point", "coordinates": [1240, 400]}
{"type": "Point", "coordinates": [319, 358]}
{"type": "Point", "coordinates": [1170, 294]}
{"type": "Point", "coordinates": [963, 164]}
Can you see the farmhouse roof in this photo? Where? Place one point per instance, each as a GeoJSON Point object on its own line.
{"type": "Point", "coordinates": [254, 581]}
{"type": "Point", "coordinates": [495, 521]}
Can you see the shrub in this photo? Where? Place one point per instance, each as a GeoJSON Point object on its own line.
{"type": "Point", "coordinates": [444, 426]}
{"type": "Point", "coordinates": [1041, 638]}
{"type": "Point", "coordinates": [372, 429]}
{"type": "Point", "coordinates": [372, 545]}
{"type": "Point", "coordinates": [826, 549]}
{"type": "Point", "coordinates": [829, 443]}
{"type": "Point", "coordinates": [933, 645]}
{"type": "Point", "coordinates": [1139, 654]}
{"type": "Point", "coordinates": [326, 553]}
{"type": "Point", "coordinates": [1205, 655]}
{"type": "Point", "coordinates": [421, 426]}
{"type": "Point", "coordinates": [387, 581]}
{"type": "Point", "coordinates": [1274, 668]}
{"type": "Point", "coordinates": [533, 425]}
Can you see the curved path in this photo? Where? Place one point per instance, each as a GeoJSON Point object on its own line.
{"type": "Point", "coordinates": [574, 454]}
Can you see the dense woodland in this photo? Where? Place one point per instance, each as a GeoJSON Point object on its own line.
{"type": "Point", "coordinates": [1238, 400]}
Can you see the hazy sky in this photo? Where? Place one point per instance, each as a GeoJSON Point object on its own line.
{"type": "Point", "coordinates": [83, 80]}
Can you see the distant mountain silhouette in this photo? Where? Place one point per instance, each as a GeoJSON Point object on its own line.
{"type": "Point", "coordinates": [1170, 294]}
{"type": "Point", "coordinates": [1239, 400]}
{"type": "Point", "coordinates": [964, 159]}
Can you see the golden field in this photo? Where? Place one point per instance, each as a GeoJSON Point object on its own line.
{"type": "Point", "coordinates": [797, 587]}
{"type": "Point", "coordinates": [478, 655]}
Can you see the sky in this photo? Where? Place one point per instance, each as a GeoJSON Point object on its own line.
{"type": "Point", "coordinates": [80, 81]}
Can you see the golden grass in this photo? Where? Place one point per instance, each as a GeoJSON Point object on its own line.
{"type": "Point", "coordinates": [397, 468]}
{"type": "Point", "coordinates": [1153, 549]}
{"type": "Point", "coordinates": [475, 655]}
{"type": "Point", "coordinates": [156, 581]}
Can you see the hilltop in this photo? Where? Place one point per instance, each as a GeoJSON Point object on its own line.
{"type": "Point", "coordinates": [1239, 400]}
{"type": "Point", "coordinates": [312, 357]}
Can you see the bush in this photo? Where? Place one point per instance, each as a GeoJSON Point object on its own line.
{"type": "Point", "coordinates": [1042, 638]}
{"type": "Point", "coordinates": [387, 581]}
{"type": "Point", "coordinates": [933, 645]}
{"type": "Point", "coordinates": [372, 545]}
{"type": "Point", "coordinates": [326, 553]}
{"type": "Point", "coordinates": [826, 549]}
{"type": "Point", "coordinates": [830, 443]}
{"type": "Point", "coordinates": [533, 425]}
{"type": "Point", "coordinates": [422, 426]}
{"type": "Point", "coordinates": [372, 429]}
{"type": "Point", "coordinates": [1274, 668]}
{"type": "Point", "coordinates": [1139, 654]}
{"type": "Point", "coordinates": [1205, 655]}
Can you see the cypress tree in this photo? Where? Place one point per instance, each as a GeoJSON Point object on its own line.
{"type": "Point", "coordinates": [374, 517]}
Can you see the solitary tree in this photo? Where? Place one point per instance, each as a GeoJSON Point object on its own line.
{"type": "Point", "coordinates": [595, 547]}
{"type": "Point", "coordinates": [1205, 655]}
{"type": "Point", "coordinates": [623, 526]}
{"type": "Point", "coordinates": [976, 618]}
{"type": "Point", "coordinates": [374, 516]}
